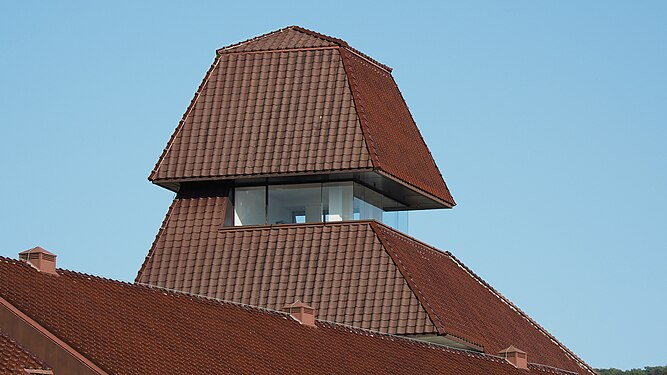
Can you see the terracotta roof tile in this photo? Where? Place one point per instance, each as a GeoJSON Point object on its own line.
{"type": "Point", "coordinates": [342, 270]}
{"type": "Point", "coordinates": [298, 102]}
{"type": "Point", "coordinates": [133, 329]}
{"type": "Point", "coordinates": [390, 129]}
{"type": "Point", "coordinates": [14, 358]}
{"type": "Point", "coordinates": [462, 304]}
{"type": "Point", "coordinates": [268, 113]}
{"type": "Point", "coordinates": [189, 227]}
{"type": "Point", "coordinates": [291, 37]}
{"type": "Point", "coordinates": [362, 274]}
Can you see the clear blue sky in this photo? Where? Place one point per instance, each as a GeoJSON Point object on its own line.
{"type": "Point", "coordinates": [548, 120]}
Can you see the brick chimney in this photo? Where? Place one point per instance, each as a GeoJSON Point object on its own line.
{"type": "Point", "coordinates": [303, 313]}
{"type": "Point", "coordinates": [41, 259]}
{"type": "Point", "coordinates": [515, 356]}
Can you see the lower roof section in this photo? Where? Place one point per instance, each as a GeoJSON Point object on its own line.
{"type": "Point", "coordinates": [16, 359]}
{"type": "Point", "coordinates": [360, 273]}
{"type": "Point", "coordinates": [134, 329]}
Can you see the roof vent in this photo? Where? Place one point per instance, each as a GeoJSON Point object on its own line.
{"type": "Point", "coordinates": [303, 313]}
{"type": "Point", "coordinates": [515, 356]}
{"type": "Point", "coordinates": [41, 259]}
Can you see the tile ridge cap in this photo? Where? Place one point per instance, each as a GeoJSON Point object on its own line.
{"type": "Point", "coordinates": [158, 236]}
{"type": "Point", "coordinates": [359, 108]}
{"type": "Point", "coordinates": [524, 315]}
{"type": "Point", "coordinates": [423, 141]}
{"type": "Point", "coordinates": [421, 297]}
{"type": "Point", "coordinates": [181, 124]}
{"type": "Point", "coordinates": [314, 34]}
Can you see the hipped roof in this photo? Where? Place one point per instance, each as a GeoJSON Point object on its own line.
{"type": "Point", "coordinates": [133, 329]}
{"type": "Point", "coordinates": [362, 274]}
{"type": "Point", "coordinates": [295, 102]}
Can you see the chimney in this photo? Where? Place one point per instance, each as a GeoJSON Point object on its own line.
{"type": "Point", "coordinates": [303, 313]}
{"type": "Point", "coordinates": [41, 259]}
{"type": "Point", "coordinates": [515, 356]}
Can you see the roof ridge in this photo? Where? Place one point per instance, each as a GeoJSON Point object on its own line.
{"type": "Point", "coordinates": [324, 324]}
{"type": "Point", "coordinates": [181, 124]}
{"type": "Point", "coordinates": [160, 231]}
{"type": "Point", "coordinates": [342, 43]}
{"type": "Point", "coordinates": [421, 297]}
{"type": "Point", "coordinates": [338, 42]}
{"type": "Point", "coordinates": [409, 237]}
{"type": "Point", "coordinates": [493, 291]}
{"type": "Point", "coordinates": [421, 137]}
{"type": "Point", "coordinates": [523, 314]}
{"type": "Point", "coordinates": [141, 286]}
{"type": "Point", "coordinates": [359, 107]}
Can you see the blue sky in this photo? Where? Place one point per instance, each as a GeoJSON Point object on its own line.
{"type": "Point", "coordinates": [548, 120]}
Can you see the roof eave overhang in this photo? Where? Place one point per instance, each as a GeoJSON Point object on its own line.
{"type": "Point", "coordinates": [409, 196]}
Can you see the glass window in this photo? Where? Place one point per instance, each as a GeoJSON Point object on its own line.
{"type": "Point", "coordinates": [250, 205]}
{"type": "Point", "coordinates": [337, 202]}
{"type": "Point", "coordinates": [367, 203]}
{"type": "Point", "coordinates": [289, 204]}
{"type": "Point", "coordinates": [314, 203]}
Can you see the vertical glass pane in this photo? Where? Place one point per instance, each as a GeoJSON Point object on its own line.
{"type": "Point", "coordinates": [367, 203]}
{"type": "Point", "coordinates": [250, 205]}
{"type": "Point", "coordinates": [337, 202]}
{"type": "Point", "coordinates": [289, 204]}
{"type": "Point", "coordinates": [397, 220]}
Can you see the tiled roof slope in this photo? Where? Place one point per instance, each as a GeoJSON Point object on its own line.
{"type": "Point", "coordinates": [14, 358]}
{"type": "Point", "coordinates": [133, 329]}
{"type": "Point", "coordinates": [462, 304]}
{"type": "Point", "coordinates": [341, 269]}
{"type": "Point", "coordinates": [268, 113]}
{"type": "Point", "coordinates": [295, 102]}
{"type": "Point", "coordinates": [394, 138]}
{"type": "Point", "coordinates": [191, 226]}
{"type": "Point", "coordinates": [358, 273]}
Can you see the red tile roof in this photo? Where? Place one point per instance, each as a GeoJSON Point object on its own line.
{"type": "Point", "coordinates": [357, 273]}
{"type": "Point", "coordinates": [292, 37]}
{"type": "Point", "coordinates": [396, 145]}
{"type": "Point", "coordinates": [14, 358]}
{"type": "Point", "coordinates": [190, 226]}
{"type": "Point", "coordinates": [462, 304]}
{"type": "Point", "coordinates": [341, 270]}
{"type": "Point", "coordinates": [295, 102]}
{"type": "Point", "coordinates": [133, 329]}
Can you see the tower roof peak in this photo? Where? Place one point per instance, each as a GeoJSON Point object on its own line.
{"type": "Point", "coordinates": [293, 38]}
{"type": "Point", "coordinates": [298, 106]}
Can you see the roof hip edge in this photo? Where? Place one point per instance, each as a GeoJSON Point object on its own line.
{"type": "Point", "coordinates": [359, 107]}
{"type": "Point", "coordinates": [524, 315]}
{"type": "Point", "coordinates": [153, 176]}
{"type": "Point", "coordinates": [435, 319]}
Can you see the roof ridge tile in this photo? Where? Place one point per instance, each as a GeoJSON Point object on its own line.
{"type": "Point", "coordinates": [495, 292]}
{"type": "Point", "coordinates": [419, 294]}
